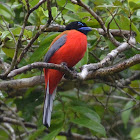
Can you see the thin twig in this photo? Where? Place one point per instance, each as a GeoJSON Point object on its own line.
{"type": "Point", "coordinates": [49, 11]}
{"type": "Point", "coordinates": [9, 29]}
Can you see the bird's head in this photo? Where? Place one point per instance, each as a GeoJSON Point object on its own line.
{"type": "Point", "coordinates": [79, 26]}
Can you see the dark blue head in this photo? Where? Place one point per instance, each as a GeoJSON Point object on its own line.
{"type": "Point", "coordinates": [79, 26]}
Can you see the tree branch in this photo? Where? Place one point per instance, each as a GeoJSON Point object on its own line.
{"type": "Point", "coordinates": [22, 83]}
{"type": "Point", "coordinates": [61, 68]}
{"type": "Point", "coordinates": [106, 61]}
{"type": "Point", "coordinates": [114, 69]}
{"type": "Point", "coordinates": [11, 130]}
{"type": "Point", "coordinates": [61, 28]}
{"type": "Point", "coordinates": [90, 68]}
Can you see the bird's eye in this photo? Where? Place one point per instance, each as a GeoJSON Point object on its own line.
{"type": "Point", "coordinates": [80, 24]}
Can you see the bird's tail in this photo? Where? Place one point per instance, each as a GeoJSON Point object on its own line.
{"type": "Point", "coordinates": [48, 105]}
{"type": "Point", "coordinates": [52, 78]}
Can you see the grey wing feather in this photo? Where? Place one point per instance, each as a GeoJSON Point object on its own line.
{"type": "Point", "coordinates": [48, 105]}
{"type": "Point", "coordinates": [56, 45]}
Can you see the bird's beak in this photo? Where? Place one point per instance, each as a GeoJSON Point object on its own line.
{"type": "Point", "coordinates": [87, 29]}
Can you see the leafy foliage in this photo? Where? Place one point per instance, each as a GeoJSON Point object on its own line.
{"type": "Point", "coordinates": [88, 108]}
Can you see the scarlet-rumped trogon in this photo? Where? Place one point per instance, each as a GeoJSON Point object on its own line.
{"type": "Point", "coordinates": [69, 47]}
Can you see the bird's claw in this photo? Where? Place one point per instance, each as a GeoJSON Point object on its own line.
{"type": "Point", "coordinates": [64, 64]}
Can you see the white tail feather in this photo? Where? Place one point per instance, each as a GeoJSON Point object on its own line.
{"type": "Point", "coordinates": [48, 105]}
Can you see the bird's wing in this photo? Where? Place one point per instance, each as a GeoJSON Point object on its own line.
{"type": "Point", "coordinates": [54, 47]}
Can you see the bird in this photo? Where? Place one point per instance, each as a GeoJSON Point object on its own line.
{"type": "Point", "coordinates": [68, 47]}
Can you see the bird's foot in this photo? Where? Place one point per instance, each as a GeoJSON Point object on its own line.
{"type": "Point", "coordinates": [64, 64]}
{"type": "Point", "coordinates": [71, 72]}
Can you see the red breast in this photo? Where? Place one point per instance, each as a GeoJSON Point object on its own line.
{"type": "Point", "coordinates": [73, 50]}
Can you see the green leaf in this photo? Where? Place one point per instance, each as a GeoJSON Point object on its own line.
{"type": "Point", "coordinates": [71, 17]}
{"type": "Point", "coordinates": [137, 120]}
{"type": "Point", "coordinates": [5, 8]}
{"type": "Point", "coordinates": [34, 2]}
{"type": "Point", "coordinates": [52, 135]}
{"type": "Point", "coordinates": [4, 35]}
{"type": "Point", "coordinates": [92, 125]}
{"type": "Point", "coordinates": [16, 5]}
{"type": "Point", "coordinates": [8, 51]}
{"type": "Point", "coordinates": [127, 112]}
{"type": "Point", "coordinates": [61, 2]}
{"type": "Point", "coordinates": [70, 95]}
{"type": "Point", "coordinates": [37, 133]}
{"type": "Point", "coordinates": [87, 112]}
{"type": "Point", "coordinates": [55, 132]}
{"type": "Point", "coordinates": [70, 7]}
{"type": "Point", "coordinates": [34, 18]}
{"type": "Point", "coordinates": [45, 12]}
{"type": "Point", "coordinates": [110, 44]}
{"type": "Point", "coordinates": [61, 138]}
{"type": "Point", "coordinates": [98, 2]}
{"type": "Point", "coordinates": [83, 61]}
{"type": "Point", "coordinates": [135, 134]}
{"type": "Point", "coordinates": [54, 12]}
{"type": "Point", "coordinates": [134, 4]}
{"type": "Point", "coordinates": [83, 14]}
